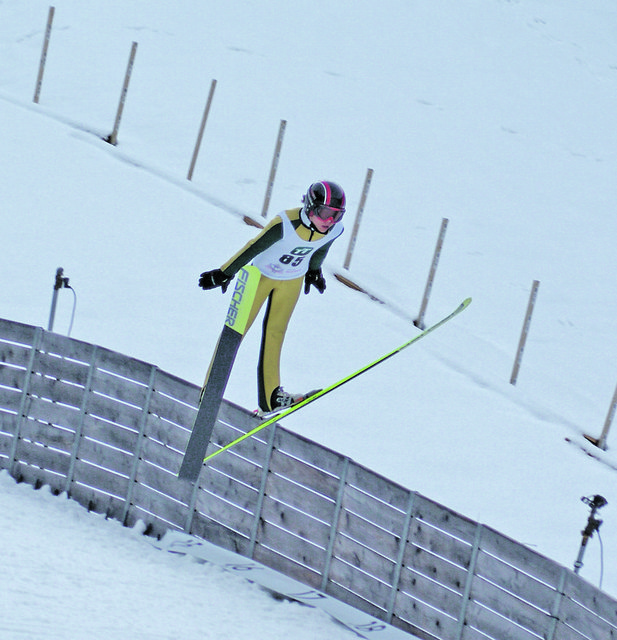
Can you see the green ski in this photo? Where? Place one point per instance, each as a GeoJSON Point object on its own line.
{"type": "Point", "coordinates": [219, 372]}
{"type": "Point", "coordinates": [341, 382]}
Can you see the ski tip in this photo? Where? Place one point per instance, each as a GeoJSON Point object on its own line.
{"type": "Point", "coordinates": [466, 302]}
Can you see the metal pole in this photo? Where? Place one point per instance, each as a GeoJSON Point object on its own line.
{"type": "Point", "coordinates": [419, 321]}
{"type": "Point", "coordinates": [273, 168]}
{"type": "Point", "coordinates": [524, 332]}
{"type": "Point", "coordinates": [39, 80]}
{"type": "Point", "coordinates": [356, 226]}
{"type": "Point", "coordinates": [201, 130]}
{"type": "Point", "coordinates": [113, 138]}
{"type": "Point", "coordinates": [601, 441]}
{"type": "Point", "coordinates": [57, 285]}
{"type": "Point", "coordinates": [593, 524]}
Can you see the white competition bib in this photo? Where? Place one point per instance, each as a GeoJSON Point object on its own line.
{"type": "Point", "coordinates": [289, 257]}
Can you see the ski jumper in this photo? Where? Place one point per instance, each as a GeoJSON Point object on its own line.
{"type": "Point", "coordinates": [283, 252]}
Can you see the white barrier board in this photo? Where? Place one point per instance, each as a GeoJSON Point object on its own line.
{"type": "Point", "coordinates": [360, 623]}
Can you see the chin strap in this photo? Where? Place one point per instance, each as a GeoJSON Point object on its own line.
{"type": "Point", "coordinates": [307, 222]}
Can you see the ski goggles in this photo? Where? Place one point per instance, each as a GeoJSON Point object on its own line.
{"type": "Point", "coordinates": [323, 212]}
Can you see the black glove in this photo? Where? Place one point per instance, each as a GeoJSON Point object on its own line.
{"type": "Point", "coordinates": [316, 279]}
{"type": "Point", "coordinates": [213, 279]}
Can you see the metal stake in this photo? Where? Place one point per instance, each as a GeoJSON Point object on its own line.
{"type": "Point", "coordinates": [593, 524]}
{"type": "Point", "coordinates": [60, 281]}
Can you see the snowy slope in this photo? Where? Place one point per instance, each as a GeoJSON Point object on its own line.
{"type": "Point", "coordinates": [497, 115]}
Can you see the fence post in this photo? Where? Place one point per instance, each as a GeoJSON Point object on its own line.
{"type": "Point", "coordinates": [356, 226]}
{"type": "Point", "coordinates": [80, 425]}
{"type": "Point", "coordinates": [555, 609]}
{"type": "Point", "coordinates": [273, 168]}
{"type": "Point", "coordinates": [39, 80]}
{"type": "Point", "coordinates": [470, 574]}
{"type": "Point", "coordinates": [265, 472]}
{"type": "Point", "coordinates": [400, 556]}
{"type": "Point", "coordinates": [143, 421]}
{"type": "Point", "coordinates": [334, 525]}
{"type": "Point", "coordinates": [25, 393]}
{"type": "Point", "coordinates": [601, 441]}
{"type": "Point", "coordinates": [201, 130]}
{"type": "Point", "coordinates": [113, 138]}
{"type": "Point", "coordinates": [521, 343]}
{"type": "Point", "coordinates": [419, 321]}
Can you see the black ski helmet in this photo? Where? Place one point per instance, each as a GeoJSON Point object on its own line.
{"type": "Point", "coordinates": [323, 194]}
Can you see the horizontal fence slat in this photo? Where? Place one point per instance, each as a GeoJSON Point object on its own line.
{"type": "Point", "coordinates": [158, 505]}
{"type": "Point", "coordinates": [369, 535]}
{"type": "Point", "coordinates": [162, 481]}
{"type": "Point", "coordinates": [123, 366]}
{"type": "Point", "coordinates": [104, 480]}
{"type": "Point", "coordinates": [286, 566]}
{"type": "Point", "coordinates": [15, 355]}
{"type": "Point", "coordinates": [121, 389]}
{"type": "Point", "coordinates": [519, 612]}
{"type": "Point", "coordinates": [232, 516]}
{"type": "Point", "coordinates": [372, 509]}
{"type": "Point", "coordinates": [586, 622]}
{"type": "Point", "coordinates": [113, 411]}
{"type": "Point", "coordinates": [304, 474]}
{"type": "Point", "coordinates": [55, 366]}
{"type": "Point", "coordinates": [591, 598]}
{"type": "Point", "coordinates": [424, 536]}
{"type": "Point", "coordinates": [56, 390]}
{"type": "Point", "coordinates": [220, 534]}
{"type": "Point", "coordinates": [300, 498]}
{"type": "Point", "coordinates": [295, 521]}
{"type": "Point", "coordinates": [297, 549]}
{"type": "Point", "coordinates": [304, 450]}
{"type": "Point", "coordinates": [519, 555]}
{"type": "Point", "coordinates": [179, 390]}
{"type": "Point", "coordinates": [445, 520]}
{"type": "Point", "coordinates": [97, 501]}
{"type": "Point", "coordinates": [42, 456]}
{"type": "Point", "coordinates": [418, 616]}
{"type": "Point", "coordinates": [493, 625]}
{"type": "Point", "coordinates": [360, 583]}
{"type": "Point", "coordinates": [38, 477]}
{"type": "Point", "coordinates": [421, 562]}
{"type": "Point", "coordinates": [102, 455]}
{"type": "Point", "coordinates": [114, 435]}
{"type": "Point", "coordinates": [66, 347]}
{"type": "Point", "coordinates": [419, 591]}
{"type": "Point", "coordinates": [53, 413]}
{"type": "Point", "coordinates": [12, 331]}
{"type": "Point", "coordinates": [364, 558]}
{"type": "Point", "coordinates": [47, 435]}
{"type": "Point", "coordinates": [514, 581]}
{"type": "Point", "coordinates": [10, 399]}
{"type": "Point", "coordinates": [377, 486]}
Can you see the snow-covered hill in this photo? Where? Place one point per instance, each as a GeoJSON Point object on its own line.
{"type": "Point", "coordinates": [497, 115]}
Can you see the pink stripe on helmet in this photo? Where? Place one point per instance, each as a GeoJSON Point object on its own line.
{"type": "Point", "coordinates": [328, 193]}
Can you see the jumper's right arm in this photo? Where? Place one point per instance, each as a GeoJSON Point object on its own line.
{"type": "Point", "coordinates": [270, 234]}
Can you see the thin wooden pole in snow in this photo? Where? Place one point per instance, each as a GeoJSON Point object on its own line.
{"type": "Point", "coordinates": [113, 138]}
{"type": "Point", "coordinates": [601, 441]}
{"type": "Point", "coordinates": [39, 80]}
{"type": "Point", "coordinates": [356, 225]}
{"type": "Point", "coordinates": [521, 343]}
{"type": "Point", "coordinates": [273, 168]}
{"type": "Point", "coordinates": [200, 135]}
{"type": "Point", "coordinates": [419, 321]}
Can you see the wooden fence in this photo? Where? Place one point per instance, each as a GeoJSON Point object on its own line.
{"type": "Point", "coordinates": [111, 430]}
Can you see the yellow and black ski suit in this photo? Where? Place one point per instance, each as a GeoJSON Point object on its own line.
{"type": "Point", "coordinates": [283, 252]}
